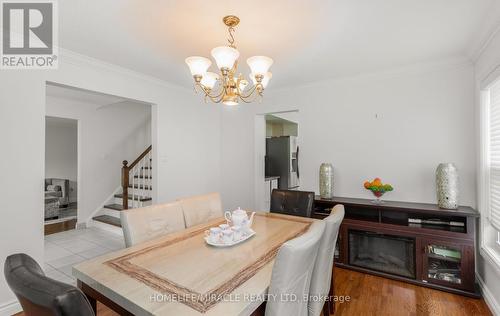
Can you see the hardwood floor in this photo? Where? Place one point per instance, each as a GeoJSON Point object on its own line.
{"type": "Point", "coordinates": [372, 295]}
{"type": "Point", "coordinates": [58, 227]}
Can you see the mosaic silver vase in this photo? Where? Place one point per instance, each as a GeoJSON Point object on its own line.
{"type": "Point", "coordinates": [326, 181]}
{"type": "Point", "coordinates": [447, 186]}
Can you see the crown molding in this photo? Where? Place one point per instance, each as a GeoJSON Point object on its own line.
{"type": "Point", "coordinates": [84, 61]}
{"type": "Point", "coordinates": [485, 34]}
{"type": "Point", "coordinates": [478, 51]}
{"type": "Point", "coordinates": [410, 69]}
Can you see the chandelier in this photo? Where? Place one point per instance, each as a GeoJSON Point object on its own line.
{"type": "Point", "coordinates": [228, 86]}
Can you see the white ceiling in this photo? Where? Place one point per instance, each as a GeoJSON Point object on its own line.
{"type": "Point", "coordinates": [308, 40]}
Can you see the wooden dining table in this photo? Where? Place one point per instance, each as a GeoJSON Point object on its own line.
{"type": "Point", "coordinates": [180, 274]}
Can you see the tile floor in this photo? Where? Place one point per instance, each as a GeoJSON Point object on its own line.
{"type": "Point", "coordinates": [65, 249]}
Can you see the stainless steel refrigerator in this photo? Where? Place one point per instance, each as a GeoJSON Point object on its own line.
{"type": "Point", "coordinates": [282, 159]}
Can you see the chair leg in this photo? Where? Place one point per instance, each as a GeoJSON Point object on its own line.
{"type": "Point", "coordinates": [331, 294]}
{"type": "Point", "coordinates": [326, 308]}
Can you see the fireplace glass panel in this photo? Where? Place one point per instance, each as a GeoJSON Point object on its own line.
{"type": "Point", "coordinates": [384, 253]}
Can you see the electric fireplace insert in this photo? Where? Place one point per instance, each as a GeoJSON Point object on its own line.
{"type": "Point", "coordinates": [384, 253]}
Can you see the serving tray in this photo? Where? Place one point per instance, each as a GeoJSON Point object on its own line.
{"type": "Point", "coordinates": [234, 242]}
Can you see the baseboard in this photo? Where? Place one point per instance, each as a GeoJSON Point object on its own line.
{"type": "Point", "coordinates": [489, 298]}
{"type": "Point", "coordinates": [10, 308]}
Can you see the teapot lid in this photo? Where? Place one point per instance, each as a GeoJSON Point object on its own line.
{"type": "Point", "coordinates": [239, 210]}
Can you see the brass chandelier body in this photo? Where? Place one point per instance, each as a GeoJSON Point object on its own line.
{"type": "Point", "coordinates": [229, 86]}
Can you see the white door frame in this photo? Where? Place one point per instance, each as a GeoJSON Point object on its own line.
{"type": "Point", "coordinates": [154, 143]}
{"type": "Point", "coordinates": [259, 157]}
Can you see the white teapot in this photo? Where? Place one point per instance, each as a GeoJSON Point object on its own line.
{"type": "Point", "coordinates": [240, 218]}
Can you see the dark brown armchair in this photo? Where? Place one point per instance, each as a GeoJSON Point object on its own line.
{"type": "Point", "coordinates": [40, 295]}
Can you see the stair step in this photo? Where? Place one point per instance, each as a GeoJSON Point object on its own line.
{"type": "Point", "coordinates": [142, 187]}
{"type": "Point", "coordinates": [108, 220]}
{"type": "Point", "coordinates": [143, 177]}
{"type": "Point", "coordinates": [137, 198]}
{"type": "Point", "coordinates": [116, 207]}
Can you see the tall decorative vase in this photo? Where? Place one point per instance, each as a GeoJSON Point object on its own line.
{"type": "Point", "coordinates": [447, 186]}
{"type": "Point", "coordinates": [326, 181]}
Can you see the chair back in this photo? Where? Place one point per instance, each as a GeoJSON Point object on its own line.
{"type": "Point", "coordinates": [40, 295]}
{"type": "Point", "coordinates": [322, 272]}
{"type": "Point", "coordinates": [201, 208]}
{"type": "Point", "coordinates": [292, 202]}
{"type": "Point", "coordinates": [291, 276]}
{"type": "Point", "coordinates": [146, 223]}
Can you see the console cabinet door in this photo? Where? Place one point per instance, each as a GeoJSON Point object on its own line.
{"type": "Point", "coordinates": [448, 264]}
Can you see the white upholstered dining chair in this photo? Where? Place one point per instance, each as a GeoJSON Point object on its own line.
{"type": "Point", "coordinates": [291, 276]}
{"type": "Point", "coordinates": [201, 208]}
{"type": "Point", "coordinates": [145, 223]}
{"type": "Point", "coordinates": [322, 272]}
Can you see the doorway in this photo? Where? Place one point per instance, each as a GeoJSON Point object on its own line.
{"type": "Point", "coordinates": [277, 153]}
{"type": "Point", "coordinates": [61, 174]}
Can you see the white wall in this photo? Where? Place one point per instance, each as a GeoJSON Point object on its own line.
{"type": "Point", "coordinates": [61, 153]}
{"type": "Point", "coordinates": [185, 168]}
{"type": "Point", "coordinates": [487, 67]}
{"type": "Point", "coordinates": [108, 135]}
{"type": "Point", "coordinates": [396, 126]}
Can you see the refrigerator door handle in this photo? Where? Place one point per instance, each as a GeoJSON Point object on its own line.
{"type": "Point", "coordinates": [297, 162]}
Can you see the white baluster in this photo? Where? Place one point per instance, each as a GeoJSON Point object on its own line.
{"type": "Point", "coordinates": [133, 185]}
{"type": "Point", "coordinates": [143, 179]}
{"type": "Point", "coordinates": [138, 183]}
{"type": "Point", "coordinates": [150, 172]}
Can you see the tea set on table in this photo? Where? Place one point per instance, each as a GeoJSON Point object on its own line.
{"type": "Point", "coordinates": [237, 229]}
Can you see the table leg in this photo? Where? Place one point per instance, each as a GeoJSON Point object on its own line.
{"type": "Point", "coordinates": [95, 296]}
{"type": "Point", "coordinates": [92, 300]}
{"type": "Point", "coordinates": [260, 311]}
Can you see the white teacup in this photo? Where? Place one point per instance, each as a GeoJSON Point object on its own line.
{"type": "Point", "coordinates": [227, 236]}
{"type": "Point", "coordinates": [238, 232]}
{"type": "Point", "coordinates": [213, 234]}
{"type": "Point", "coordinates": [224, 226]}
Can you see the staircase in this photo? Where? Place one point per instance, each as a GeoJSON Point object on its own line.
{"type": "Point", "coordinates": [136, 191]}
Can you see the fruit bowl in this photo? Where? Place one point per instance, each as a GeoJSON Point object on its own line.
{"type": "Point", "coordinates": [378, 189]}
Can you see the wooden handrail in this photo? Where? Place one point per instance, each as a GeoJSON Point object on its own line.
{"type": "Point", "coordinates": [141, 156]}
{"type": "Point", "coordinates": [126, 176]}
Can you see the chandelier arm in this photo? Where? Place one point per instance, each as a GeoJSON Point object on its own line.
{"type": "Point", "coordinates": [251, 97]}
{"type": "Point", "coordinates": [251, 92]}
{"type": "Point", "coordinates": [245, 100]}
{"type": "Point", "coordinates": [221, 95]}
{"type": "Point", "coordinates": [207, 93]}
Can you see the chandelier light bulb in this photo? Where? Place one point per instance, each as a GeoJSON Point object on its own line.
{"type": "Point", "coordinates": [209, 79]}
{"type": "Point", "coordinates": [225, 56]}
{"type": "Point", "coordinates": [230, 103]}
{"type": "Point", "coordinates": [198, 65]}
{"type": "Point", "coordinates": [259, 64]}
